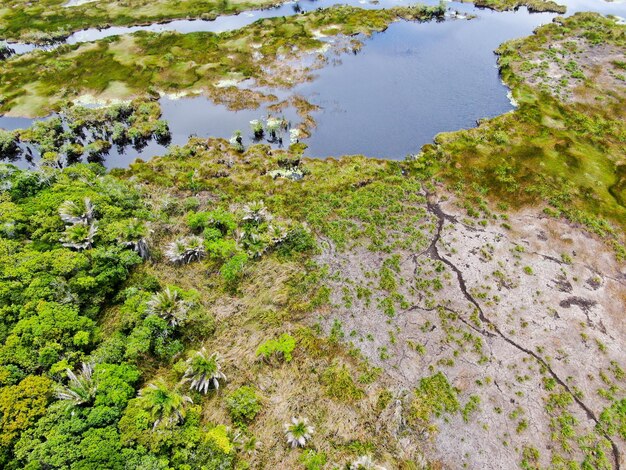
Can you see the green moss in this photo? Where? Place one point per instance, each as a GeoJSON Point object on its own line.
{"type": "Point", "coordinates": [434, 397]}
{"type": "Point", "coordinates": [339, 383]}
{"type": "Point", "coordinates": [532, 5]}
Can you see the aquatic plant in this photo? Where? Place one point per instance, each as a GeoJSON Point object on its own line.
{"type": "Point", "coordinates": [298, 432]}
{"type": "Point", "coordinates": [256, 125]}
{"type": "Point", "coordinates": [204, 371]}
{"type": "Point", "coordinates": [273, 126]}
{"type": "Point", "coordinates": [164, 405]}
{"type": "Point", "coordinates": [294, 136]}
{"type": "Point", "coordinates": [81, 388]}
{"type": "Point", "coordinates": [185, 250]}
{"type": "Point", "coordinates": [97, 149]}
{"type": "Point", "coordinates": [161, 131]}
{"type": "Point", "coordinates": [237, 141]}
{"type": "Point", "coordinates": [170, 306]}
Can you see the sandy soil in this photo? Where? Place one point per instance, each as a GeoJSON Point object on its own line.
{"type": "Point", "coordinates": [539, 301]}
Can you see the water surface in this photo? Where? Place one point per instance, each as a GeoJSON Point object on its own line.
{"type": "Point", "coordinates": [406, 85]}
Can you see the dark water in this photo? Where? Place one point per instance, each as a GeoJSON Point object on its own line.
{"type": "Point", "coordinates": [405, 86]}
{"type": "Point", "coordinates": [412, 82]}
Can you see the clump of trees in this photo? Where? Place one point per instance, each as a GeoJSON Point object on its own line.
{"type": "Point", "coordinates": [9, 145]}
{"type": "Point", "coordinates": [71, 395]}
{"type": "Point", "coordinates": [87, 133]}
{"type": "Point", "coordinates": [232, 239]}
{"type": "Point", "coordinates": [84, 325]}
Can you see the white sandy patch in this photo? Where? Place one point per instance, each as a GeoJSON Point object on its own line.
{"type": "Point", "coordinates": [317, 34]}
{"type": "Point", "coordinates": [97, 101]}
{"type": "Point", "coordinates": [77, 3]}
{"type": "Point", "coordinates": [179, 94]}
{"type": "Point", "coordinates": [226, 83]}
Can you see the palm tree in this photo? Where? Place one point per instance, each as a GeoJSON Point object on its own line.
{"type": "Point", "coordinates": [256, 212]}
{"type": "Point", "coordinates": [80, 235]}
{"type": "Point", "coordinates": [82, 213]}
{"type": "Point", "coordinates": [164, 404]}
{"type": "Point", "coordinates": [81, 388]}
{"type": "Point", "coordinates": [365, 462]}
{"type": "Point", "coordinates": [170, 306]}
{"type": "Point", "coordinates": [185, 250]}
{"type": "Point", "coordinates": [132, 235]}
{"type": "Point", "coordinates": [298, 432]}
{"type": "Point", "coordinates": [204, 371]}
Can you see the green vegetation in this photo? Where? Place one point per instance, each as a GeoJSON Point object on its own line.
{"type": "Point", "coordinates": [434, 397]}
{"type": "Point", "coordinates": [243, 405]}
{"type": "Point", "coordinates": [281, 348]}
{"type": "Point", "coordinates": [128, 66]}
{"type": "Point", "coordinates": [533, 6]}
{"type": "Point", "coordinates": [51, 19]}
{"type": "Point", "coordinates": [135, 305]}
{"type": "Point", "coordinates": [565, 155]}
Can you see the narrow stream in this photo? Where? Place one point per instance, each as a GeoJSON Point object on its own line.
{"type": "Point", "coordinates": [218, 25]}
{"type": "Point", "coordinates": [405, 86]}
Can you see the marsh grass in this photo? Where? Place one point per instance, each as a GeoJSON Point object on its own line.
{"type": "Point", "coordinates": [171, 62]}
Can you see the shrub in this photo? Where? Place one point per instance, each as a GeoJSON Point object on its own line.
{"type": "Point", "coordinates": [339, 383]}
{"type": "Point", "coordinates": [280, 348]}
{"type": "Point", "coordinates": [232, 270]}
{"type": "Point", "coordinates": [243, 405]}
{"type": "Point", "coordinates": [313, 460]}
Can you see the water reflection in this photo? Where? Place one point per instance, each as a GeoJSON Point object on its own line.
{"type": "Point", "coordinates": [405, 86]}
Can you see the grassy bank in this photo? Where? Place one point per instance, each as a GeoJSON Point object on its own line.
{"type": "Point", "coordinates": [46, 20]}
{"type": "Point", "coordinates": [566, 154]}
{"type": "Point", "coordinates": [50, 19]}
{"type": "Point", "coordinates": [123, 67]}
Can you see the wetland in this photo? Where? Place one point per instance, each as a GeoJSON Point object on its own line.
{"type": "Point", "coordinates": [317, 235]}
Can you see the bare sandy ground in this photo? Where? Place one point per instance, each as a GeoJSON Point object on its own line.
{"type": "Point", "coordinates": [515, 311]}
